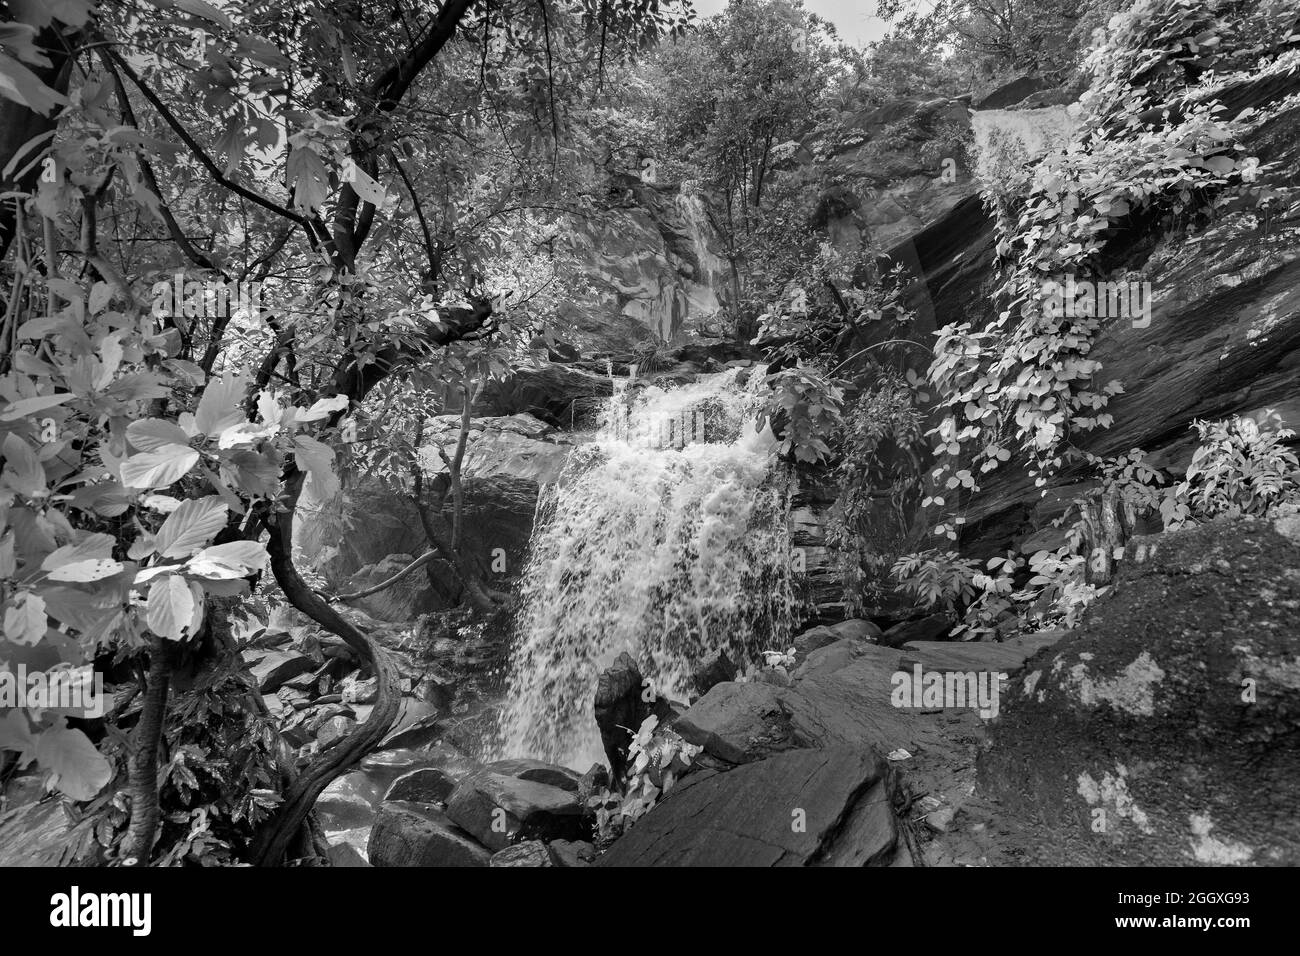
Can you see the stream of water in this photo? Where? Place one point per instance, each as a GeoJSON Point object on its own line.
{"type": "Point", "coordinates": [667, 537]}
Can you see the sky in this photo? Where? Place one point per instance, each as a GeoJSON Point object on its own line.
{"type": "Point", "coordinates": [854, 19]}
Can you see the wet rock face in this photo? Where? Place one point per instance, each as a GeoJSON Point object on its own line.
{"type": "Point", "coordinates": [1167, 732]}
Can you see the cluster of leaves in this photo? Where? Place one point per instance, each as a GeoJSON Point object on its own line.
{"type": "Point", "coordinates": [1026, 380]}
{"type": "Point", "coordinates": [224, 768]}
{"type": "Point", "coordinates": [94, 551]}
{"type": "Point", "coordinates": [987, 601]}
{"type": "Point", "coordinates": [658, 757]}
{"type": "Point", "coordinates": [879, 446]}
{"type": "Point", "coordinates": [804, 408]}
{"type": "Point", "coordinates": [1240, 468]}
{"type": "Point", "coordinates": [981, 41]}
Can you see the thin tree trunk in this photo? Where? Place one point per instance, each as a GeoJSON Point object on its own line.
{"type": "Point", "coordinates": [142, 778]}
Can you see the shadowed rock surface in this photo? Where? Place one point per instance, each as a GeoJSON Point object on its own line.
{"type": "Point", "coordinates": [805, 808]}
{"type": "Point", "coordinates": [1166, 730]}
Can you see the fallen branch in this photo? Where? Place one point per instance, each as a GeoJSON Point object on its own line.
{"type": "Point", "coordinates": [366, 592]}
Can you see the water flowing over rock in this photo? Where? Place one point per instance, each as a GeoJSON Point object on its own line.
{"type": "Point", "coordinates": [655, 543]}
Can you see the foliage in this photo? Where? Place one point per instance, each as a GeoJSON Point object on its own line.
{"type": "Point", "coordinates": [879, 447]}
{"type": "Point", "coordinates": [1241, 467]}
{"type": "Point", "coordinates": [935, 578]}
{"type": "Point", "coordinates": [657, 759]}
{"type": "Point", "coordinates": [1027, 382]}
{"type": "Point", "coordinates": [804, 408]}
{"type": "Point", "coordinates": [152, 430]}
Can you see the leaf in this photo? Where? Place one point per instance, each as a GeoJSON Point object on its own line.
{"type": "Point", "coordinates": [90, 569]}
{"type": "Point", "coordinates": [323, 408]}
{"type": "Point", "coordinates": [76, 767]}
{"type": "Point", "coordinates": [25, 406]}
{"type": "Point", "coordinates": [366, 187]}
{"type": "Point", "coordinates": [21, 85]}
{"type": "Point", "coordinates": [25, 619]}
{"type": "Point", "coordinates": [307, 176]}
{"type": "Point", "coordinates": [92, 546]}
{"type": "Point", "coordinates": [159, 468]}
{"type": "Point", "coordinates": [233, 144]}
{"type": "Point", "coordinates": [150, 434]}
{"type": "Point", "coordinates": [249, 556]}
{"type": "Point", "coordinates": [317, 459]}
{"type": "Point", "coordinates": [39, 12]}
{"type": "Point", "coordinates": [15, 735]}
{"type": "Point", "coordinates": [190, 526]}
{"type": "Point", "coordinates": [205, 10]}
{"type": "Point", "coordinates": [170, 608]}
{"type": "Point", "coordinates": [22, 472]}
{"type": "Point", "coordinates": [219, 408]}
{"type": "Point", "coordinates": [245, 433]}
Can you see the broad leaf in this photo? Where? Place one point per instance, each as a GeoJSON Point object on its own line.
{"type": "Point", "coordinates": [76, 767]}
{"type": "Point", "coordinates": [158, 468]}
{"type": "Point", "coordinates": [220, 406]}
{"type": "Point", "coordinates": [170, 608]}
{"type": "Point", "coordinates": [150, 434]}
{"type": "Point", "coordinates": [190, 526]}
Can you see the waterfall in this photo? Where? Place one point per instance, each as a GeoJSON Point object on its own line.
{"type": "Point", "coordinates": [711, 273]}
{"type": "Point", "coordinates": [667, 537]}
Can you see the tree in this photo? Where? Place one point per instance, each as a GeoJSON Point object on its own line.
{"type": "Point", "coordinates": [158, 434]}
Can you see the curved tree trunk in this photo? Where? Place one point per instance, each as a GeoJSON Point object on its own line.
{"type": "Point", "coordinates": [271, 844]}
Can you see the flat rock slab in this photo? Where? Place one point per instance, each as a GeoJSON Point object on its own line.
{"type": "Point", "coordinates": [275, 668]}
{"type": "Point", "coordinates": [841, 696]}
{"type": "Point", "coordinates": [1008, 656]}
{"type": "Point", "coordinates": [803, 808]}
{"type": "Point", "coordinates": [537, 771]}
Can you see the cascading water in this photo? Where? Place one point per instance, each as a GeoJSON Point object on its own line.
{"type": "Point", "coordinates": [667, 537]}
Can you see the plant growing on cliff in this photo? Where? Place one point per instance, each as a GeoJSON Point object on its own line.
{"type": "Point", "coordinates": [879, 465]}
{"type": "Point", "coordinates": [804, 408]}
{"type": "Point", "coordinates": [1026, 383]}
{"type": "Point", "coordinates": [1241, 467]}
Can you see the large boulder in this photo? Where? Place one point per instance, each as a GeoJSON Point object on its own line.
{"type": "Point", "coordinates": [497, 809]}
{"type": "Point", "coordinates": [555, 394]}
{"type": "Point", "coordinates": [348, 802]}
{"type": "Point", "coordinates": [403, 600]}
{"type": "Point", "coordinates": [1167, 730]}
{"type": "Point", "coordinates": [833, 807]}
{"type": "Point", "coordinates": [418, 834]}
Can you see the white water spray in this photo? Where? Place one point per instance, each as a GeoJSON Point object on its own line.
{"type": "Point", "coordinates": [666, 537]}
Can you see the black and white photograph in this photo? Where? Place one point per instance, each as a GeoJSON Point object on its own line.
{"type": "Point", "coordinates": [657, 434]}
